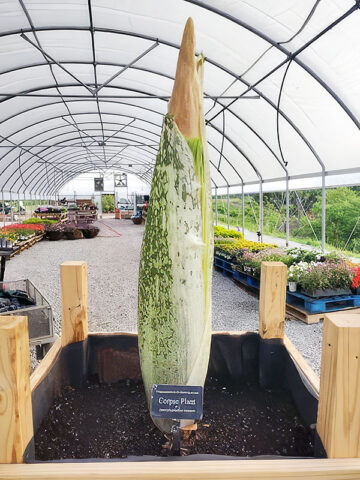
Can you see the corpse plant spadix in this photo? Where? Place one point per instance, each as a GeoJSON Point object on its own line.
{"type": "Point", "coordinates": [177, 253]}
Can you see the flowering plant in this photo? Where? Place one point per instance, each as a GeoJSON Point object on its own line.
{"type": "Point", "coordinates": [296, 271]}
{"type": "Point", "coordinates": [227, 233]}
{"type": "Point", "coordinates": [356, 279]}
{"type": "Point", "coordinates": [325, 275]}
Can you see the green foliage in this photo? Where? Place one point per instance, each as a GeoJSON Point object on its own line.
{"type": "Point", "coordinates": [108, 203]}
{"type": "Point", "coordinates": [34, 220]}
{"type": "Point", "coordinates": [342, 213]}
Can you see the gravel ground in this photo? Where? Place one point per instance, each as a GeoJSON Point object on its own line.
{"type": "Point", "coordinates": [113, 260]}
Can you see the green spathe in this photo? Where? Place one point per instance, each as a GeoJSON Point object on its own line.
{"type": "Point", "coordinates": [176, 267]}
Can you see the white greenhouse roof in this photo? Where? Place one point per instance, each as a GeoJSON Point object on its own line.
{"type": "Point", "coordinates": [84, 85]}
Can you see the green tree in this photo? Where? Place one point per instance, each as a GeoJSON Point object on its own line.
{"type": "Point", "coordinates": [108, 203]}
{"type": "Point", "coordinates": [342, 213]}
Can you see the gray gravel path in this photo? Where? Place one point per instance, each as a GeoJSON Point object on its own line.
{"type": "Point", "coordinates": [113, 262]}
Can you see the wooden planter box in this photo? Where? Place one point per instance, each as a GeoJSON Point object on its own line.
{"type": "Point", "coordinates": [116, 355]}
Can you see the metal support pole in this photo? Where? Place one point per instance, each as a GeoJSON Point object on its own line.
{"type": "Point", "coordinates": [135, 202]}
{"type": "Point", "coordinates": [228, 207]}
{"type": "Point", "coordinates": [100, 205]}
{"type": "Point", "coordinates": [243, 208]}
{"type": "Point", "coordinates": [323, 212]}
{"type": "Point", "coordinates": [3, 207]}
{"type": "Point", "coordinates": [216, 206]}
{"type": "Point", "coordinates": [287, 199]}
{"type": "Point", "coordinates": [261, 219]}
{"type": "Point", "coordinates": [12, 208]}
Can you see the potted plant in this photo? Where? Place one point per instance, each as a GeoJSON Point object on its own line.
{"type": "Point", "coordinates": [355, 284]}
{"type": "Point", "coordinates": [293, 277]}
{"type": "Point", "coordinates": [326, 279]}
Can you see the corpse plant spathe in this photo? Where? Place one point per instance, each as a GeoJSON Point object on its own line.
{"type": "Point", "coordinates": [174, 309]}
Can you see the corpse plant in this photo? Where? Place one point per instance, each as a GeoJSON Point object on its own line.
{"type": "Point", "coordinates": [174, 312]}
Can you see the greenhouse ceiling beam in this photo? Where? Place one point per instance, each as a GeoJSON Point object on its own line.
{"type": "Point", "coordinates": [289, 55]}
{"type": "Point", "coordinates": [58, 155]}
{"type": "Point", "coordinates": [75, 125]}
{"type": "Point", "coordinates": [253, 131]}
{"type": "Point", "coordinates": [89, 151]}
{"type": "Point", "coordinates": [95, 91]}
{"type": "Point", "coordinates": [42, 181]}
{"type": "Point", "coordinates": [59, 116]}
{"type": "Point", "coordinates": [137, 106]}
{"type": "Point", "coordinates": [239, 119]}
{"type": "Point", "coordinates": [141, 97]}
{"type": "Point", "coordinates": [71, 154]}
{"type": "Point", "coordinates": [173, 45]}
{"type": "Point", "coordinates": [148, 50]}
{"type": "Point", "coordinates": [23, 36]}
{"type": "Point", "coordinates": [121, 165]}
{"type": "Point", "coordinates": [151, 110]}
{"type": "Point", "coordinates": [158, 135]}
{"type": "Point", "coordinates": [38, 44]}
{"type": "Point", "coordinates": [34, 172]}
{"type": "Point", "coordinates": [120, 130]}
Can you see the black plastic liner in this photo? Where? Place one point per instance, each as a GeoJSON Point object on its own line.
{"type": "Point", "coordinates": [233, 359]}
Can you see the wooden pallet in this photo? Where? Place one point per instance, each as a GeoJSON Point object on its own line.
{"type": "Point", "coordinates": [299, 314]}
{"type": "Point", "coordinates": [27, 244]}
{"type": "Point", "coordinates": [60, 217]}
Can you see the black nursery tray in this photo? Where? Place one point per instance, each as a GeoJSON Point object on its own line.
{"type": "Point", "coordinates": [255, 404]}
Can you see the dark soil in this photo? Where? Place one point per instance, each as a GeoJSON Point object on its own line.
{"type": "Point", "coordinates": [112, 421]}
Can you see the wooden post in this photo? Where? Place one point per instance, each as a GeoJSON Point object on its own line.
{"type": "Point", "coordinates": [74, 326]}
{"type": "Point", "coordinates": [338, 422]}
{"type": "Point", "coordinates": [16, 422]}
{"type": "Point", "coordinates": [272, 299]}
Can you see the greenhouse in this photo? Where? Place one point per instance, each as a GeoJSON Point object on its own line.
{"type": "Point", "coordinates": [179, 239]}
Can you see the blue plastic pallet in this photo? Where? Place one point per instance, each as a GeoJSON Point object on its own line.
{"type": "Point", "coordinates": [246, 279]}
{"type": "Point", "coordinates": [223, 265]}
{"type": "Point", "coordinates": [322, 305]}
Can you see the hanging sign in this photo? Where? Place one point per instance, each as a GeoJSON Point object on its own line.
{"type": "Point", "coordinates": [99, 184]}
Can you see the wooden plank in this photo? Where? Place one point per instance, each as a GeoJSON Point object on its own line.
{"type": "Point", "coordinates": [339, 404]}
{"type": "Point", "coordinates": [74, 325]}
{"type": "Point", "coordinates": [16, 425]}
{"type": "Point", "coordinates": [300, 314]}
{"type": "Point", "coordinates": [302, 365]}
{"type": "Point", "coordinates": [272, 299]}
{"type": "Point", "coordinates": [309, 469]}
{"type": "Point", "coordinates": [46, 363]}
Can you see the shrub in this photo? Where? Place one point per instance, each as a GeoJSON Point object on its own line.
{"type": "Point", "coordinates": [226, 233]}
{"type": "Point", "coordinates": [34, 221]}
